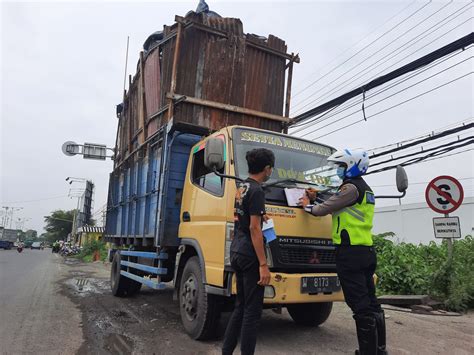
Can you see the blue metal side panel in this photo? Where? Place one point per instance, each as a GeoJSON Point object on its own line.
{"type": "Point", "coordinates": [112, 202]}
{"type": "Point", "coordinates": [179, 154]}
{"type": "Point", "coordinates": [134, 193]}
{"type": "Point", "coordinates": [155, 160]}
{"type": "Point", "coordinates": [141, 190]}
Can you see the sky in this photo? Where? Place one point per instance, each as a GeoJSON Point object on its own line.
{"type": "Point", "coordinates": [62, 69]}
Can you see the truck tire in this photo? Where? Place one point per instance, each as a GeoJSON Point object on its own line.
{"type": "Point", "coordinates": [200, 311]}
{"type": "Point", "coordinates": [310, 314]}
{"type": "Point", "coordinates": [121, 286]}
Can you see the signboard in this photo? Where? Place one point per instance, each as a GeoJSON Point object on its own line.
{"type": "Point", "coordinates": [444, 194]}
{"type": "Point", "coordinates": [447, 227]}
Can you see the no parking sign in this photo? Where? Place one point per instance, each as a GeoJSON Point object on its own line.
{"type": "Point", "coordinates": [444, 194]}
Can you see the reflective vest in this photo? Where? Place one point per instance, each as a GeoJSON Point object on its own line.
{"type": "Point", "coordinates": [353, 224]}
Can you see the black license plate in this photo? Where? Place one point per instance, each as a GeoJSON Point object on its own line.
{"type": "Point", "coordinates": [320, 284]}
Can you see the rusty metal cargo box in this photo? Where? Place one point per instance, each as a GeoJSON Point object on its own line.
{"type": "Point", "coordinates": [205, 71]}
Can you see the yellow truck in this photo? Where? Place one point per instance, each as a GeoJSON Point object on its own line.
{"type": "Point", "coordinates": [204, 94]}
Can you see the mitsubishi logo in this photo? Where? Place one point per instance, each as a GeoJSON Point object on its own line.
{"type": "Point", "coordinates": [314, 259]}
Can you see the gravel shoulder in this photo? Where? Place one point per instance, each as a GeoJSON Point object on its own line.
{"type": "Point", "coordinates": [149, 323]}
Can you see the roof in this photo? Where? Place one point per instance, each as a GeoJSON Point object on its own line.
{"type": "Point", "coordinates": [91, 229]}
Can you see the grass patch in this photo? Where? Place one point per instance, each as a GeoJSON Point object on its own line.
{"type": "Point", "coordinates": [89, 249]}
{"type": "Point", "coordinates": [409, 269]}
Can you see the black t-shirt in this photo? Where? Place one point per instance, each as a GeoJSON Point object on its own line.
{"type": "Point", "coordinates": [249, 201]}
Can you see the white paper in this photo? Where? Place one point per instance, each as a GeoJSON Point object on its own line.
{"type": "Point", "coordinates": [268, 224]}
{"type": "Point", "coordinates": [293, 196]}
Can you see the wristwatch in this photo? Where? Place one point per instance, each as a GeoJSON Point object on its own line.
{"type": "Point", "coordinates": [308, 208]}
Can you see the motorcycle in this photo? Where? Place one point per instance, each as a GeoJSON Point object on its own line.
{"type": "Point", "coordinates": [19, 249]}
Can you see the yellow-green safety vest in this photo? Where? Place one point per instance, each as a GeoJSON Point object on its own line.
{"type": "Point", "coordinates": [353, 224]}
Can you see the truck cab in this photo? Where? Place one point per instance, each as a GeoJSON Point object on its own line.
{"type": "Point", "coordinates": [301, 259]}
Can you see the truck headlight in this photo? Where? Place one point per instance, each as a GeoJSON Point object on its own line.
{"type": "Point", "coordinates": [229, 235]}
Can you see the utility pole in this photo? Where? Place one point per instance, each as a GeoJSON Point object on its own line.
{"type": "Point", "coordinates": [9, 210]}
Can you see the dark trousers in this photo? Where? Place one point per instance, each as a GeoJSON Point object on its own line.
{"type": "Point", "coordinates": [356, 267]}
{"type": "Point", "coordinates": [248, 306]}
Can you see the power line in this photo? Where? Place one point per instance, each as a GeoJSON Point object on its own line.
{"type": "Point", "coordinates": [326, 115]}
{"type": "Point", "coordinates": [353, 46]}
{"type": "Point", "coordinates": [38, 200]}
{"type": "Point", "coordinates": [390, 55]}
{"type": "Point", "coordinates": [365, 47]}
{"type": "Point", "coordinates": [361, 63]}
{"type": "Point", "coordinates": [469, 139]}
{"type": "Point", "coordinates": [424, 182]}
{"type": "Point", "coordinates": [412, 66]}
{"type": "Point", "coordinates": [385, 98]}
{"type": "Point", "coordinates": [437, 154]}
{"type": "Point", "coordinates": [394, 106]}
{"type": "Point", "coordinates": [423, 140]}
{"type": "Point", "coordinates": [432, 132]}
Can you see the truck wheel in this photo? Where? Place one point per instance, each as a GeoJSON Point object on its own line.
{"type": "Point", "coordinates": [310, 314]}
{"type": "Point", "coordinates": [200, 311]}
{"type": "Point", "coordinates": [121, 286]}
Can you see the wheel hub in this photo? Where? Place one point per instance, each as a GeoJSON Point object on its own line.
{"type": "Point", "coordinates": [189, 297]}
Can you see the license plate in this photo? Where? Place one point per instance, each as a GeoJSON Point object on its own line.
{"type": "Point", "coordinates": [320, 284]}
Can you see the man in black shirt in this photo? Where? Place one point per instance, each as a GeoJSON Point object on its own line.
{"type": "Point", "coordinates": [247, 254]}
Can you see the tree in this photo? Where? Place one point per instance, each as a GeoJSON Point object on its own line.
{"type": "Point", "coordinates": [58, 225]}
{"type": "Point", "coordinates": [31, 233]}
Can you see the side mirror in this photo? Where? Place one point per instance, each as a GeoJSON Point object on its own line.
{"type": "Point", "coordinates": [402, 183]}
{"type": "Point", "coordinates": [214, 154]}
{"type": "Point", "coordinates": [402, 179]}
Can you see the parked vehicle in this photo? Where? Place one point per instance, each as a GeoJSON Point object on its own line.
{"type": "Point", "coordinates": [6, 244]}
{"type": "Point", "coordinates": [7, 238]}
{"type": "Point", "coordinates": [180, 146]}
{"type": "Point", "coordinates": [37, 245]}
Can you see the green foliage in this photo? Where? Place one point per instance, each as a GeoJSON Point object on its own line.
{"type": "Point", "coordinates": [58, 225]}
{"type": "Point", "coordinates": [407, 269]}
{"type": "Point", "coordinates": [89, 249]}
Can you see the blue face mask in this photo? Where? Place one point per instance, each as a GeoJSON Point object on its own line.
{"type": "Point", "coordinates": [341, 172]}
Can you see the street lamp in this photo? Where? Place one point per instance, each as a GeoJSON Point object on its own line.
{"type": "Point", "coordinates": [72, 179]}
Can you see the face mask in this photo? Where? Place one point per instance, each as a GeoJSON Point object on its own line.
{"type": "Point", "coordinates": [267, 177]}
{"type": "Point", "coordinates": [341, 172]}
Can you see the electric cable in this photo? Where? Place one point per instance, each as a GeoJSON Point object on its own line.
{"type": "Point", "coordinates": [390, 55]}
{"type": "Point", "coordinates": [368, 45]}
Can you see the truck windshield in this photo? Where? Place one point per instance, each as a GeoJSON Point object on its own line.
{"type": "Point", "coordinates": [295, 159]}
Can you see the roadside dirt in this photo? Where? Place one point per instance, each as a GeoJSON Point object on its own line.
{"type": "Point", "coordinates": [149, 323]}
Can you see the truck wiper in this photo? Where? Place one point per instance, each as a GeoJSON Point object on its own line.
{"type": "Point", "coordinates": [296, 181]}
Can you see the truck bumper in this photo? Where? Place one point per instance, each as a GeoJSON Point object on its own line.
{"type": "Point", "coordinates": [287, 290]}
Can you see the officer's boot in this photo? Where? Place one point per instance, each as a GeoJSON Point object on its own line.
{"type": "Point", "coordinates": [381, 336]}
{"type": "Point", "coordinates": [366, 334]}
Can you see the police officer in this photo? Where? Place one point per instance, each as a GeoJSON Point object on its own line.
{"type": "Point", "coordinates": [352, 209]}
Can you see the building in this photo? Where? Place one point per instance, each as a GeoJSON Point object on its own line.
{"type": "Point", "coordinates": [413, 223]}
{"type": "Point", "coordinates": [87, 234]}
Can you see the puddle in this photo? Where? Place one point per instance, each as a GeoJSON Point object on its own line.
{"type": "Point", "coordinates": [86, 286]}
{"type": "Point", "coordinates": [118, 344]}
{"type": "Point", "coordinates": [78, 273]}
{"type": "Point", "coordinates": [71, 261]}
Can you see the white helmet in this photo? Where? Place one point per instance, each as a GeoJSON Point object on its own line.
{"type": "Point", "coordinates": [356, 161]}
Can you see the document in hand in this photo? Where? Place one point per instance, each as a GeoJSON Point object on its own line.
{"type": "Point", "coordinates": [268, 230]}
{"type": "Point", "coordinates": [293, 196]}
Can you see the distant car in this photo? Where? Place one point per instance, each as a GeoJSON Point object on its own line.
{"type": "Point", "coordinates": [36, 245]}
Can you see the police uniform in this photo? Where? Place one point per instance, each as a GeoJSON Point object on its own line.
{"type": "Point", "coordinates": [352, 209]}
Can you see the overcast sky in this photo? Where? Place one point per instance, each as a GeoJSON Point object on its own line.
{"type": "Point", "coordinates": [62, 68]}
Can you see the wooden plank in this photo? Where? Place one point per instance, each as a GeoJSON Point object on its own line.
{"type": "Point", "coordinates": [404, 300]}
{"type": "Point", "coordinates": [226, 107]}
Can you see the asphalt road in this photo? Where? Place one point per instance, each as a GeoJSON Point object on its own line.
{"type": "Point", "coordinates": [34, 316]}
{"type": "Point", "coordinates": [51, 305]}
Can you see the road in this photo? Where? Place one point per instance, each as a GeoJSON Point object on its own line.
{"type": "Point", "coordinates": [35, 316]}
{"type": "Point", "coordinates": [59, 306]}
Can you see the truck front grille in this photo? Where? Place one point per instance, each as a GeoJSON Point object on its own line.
{"type": "Point", "coordinates": [307, 254]}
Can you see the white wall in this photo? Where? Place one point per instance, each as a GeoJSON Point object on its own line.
{"type": "Point", "coordinates": [413, 223]}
